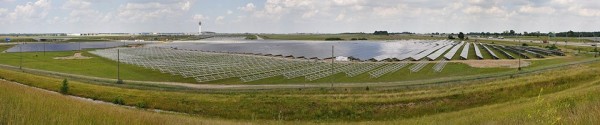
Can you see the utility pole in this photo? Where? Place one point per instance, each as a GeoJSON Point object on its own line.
{"type": "Point", "coordinates": [21, 56]}
{"type": "Point", "coordinates": [520, 56]}
{"type": "Point", "coordinates": [118, 65]}
{"type": "Point", "coordinates": [332, 61]}
{"type": "Point", "coordinates": [44, 48]}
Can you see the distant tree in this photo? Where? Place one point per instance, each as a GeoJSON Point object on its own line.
{"type": "Point", "coordinates": [511, 32]}
{"type": "Point", "coordinates": [570, 33]}
{"type": "Point", "coordinates": [381, 33]}
{"type": "Point", "coordinates": [64, 89]}
{"type": "Point", "coordinates": [333, 39]}
{"type": "Point", "coordinates": [461, 35]}
{"type": "Point", "coordinates": [450, 37]}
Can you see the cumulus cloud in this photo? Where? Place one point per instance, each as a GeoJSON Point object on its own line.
{"type": "Point", "coordinates": [152, 10]}
{"type": "Point", "coordinates": [311, 15]}
{"type": "Point", "coordinates": [30, 11]}
{"type": "Point", "coordinates": [198, 17]}
{"type": "Point", "coordinates": [536, 10]}
{"type": "Point", "coordinates": [3, 11]}
{"type": "Point", "coordinates": [249, 7]}
{"type": "Point", "coordinates": [219, 19]}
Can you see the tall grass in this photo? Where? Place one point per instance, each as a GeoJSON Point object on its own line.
{"type": "Point", "coordinates": [23, 105]}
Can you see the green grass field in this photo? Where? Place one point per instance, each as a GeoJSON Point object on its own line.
{"type": "Point", "coordinates": [97, 66]}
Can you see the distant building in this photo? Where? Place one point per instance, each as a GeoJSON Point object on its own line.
{"type": "Point", "coordinates": [342, 58]}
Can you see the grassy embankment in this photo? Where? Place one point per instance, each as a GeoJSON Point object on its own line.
{"type": "Point", "coordinates": [340, 104]}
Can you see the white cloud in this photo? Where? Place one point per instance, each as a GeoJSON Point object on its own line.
{"type": "Point", "coordinates": [249, 7]}
{"type": "Point", "coordinates": [586, 12]}
{"type": "Point", "coordinates": [142, 12]}
{"type": "Point", "coordinates": [389, 11]}
{"type": "Point", "coordinates": [76, 4]}
{"type": "Point", "coordinates": [229, 12]}
{"type": "Point", "coordinates": [185, 6]}
{"type": "Point", "coordinates": [30, 11]}
{"type": "Point", "coordinates": [198, 17]}
{"type": "Point", "coordinates": [219, 19]}
{"type": "Point", "coordinates": [310, 14]}
{"type": "Point", "coordinates": [3, 11]}
{"type": "Point", "coordinates": [536, 10]}
{"type": "Point", "coordinates": [340, 17]}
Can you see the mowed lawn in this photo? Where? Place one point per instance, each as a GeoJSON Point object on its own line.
{"type": "Point", "coordinates": [96, 66]}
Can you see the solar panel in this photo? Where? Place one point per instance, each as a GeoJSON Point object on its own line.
{"type": "Point", "coordinates": [490, 51]}
{"type": "Point", "coordinates": [453, 51]}
{"type": "Point", "coordinates": [465, 52]}
{"type": "Point", "coordinates": [477, 51]}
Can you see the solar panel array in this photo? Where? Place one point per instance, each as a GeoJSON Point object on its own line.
{"type": "Point", "coordinates": [212, 66]}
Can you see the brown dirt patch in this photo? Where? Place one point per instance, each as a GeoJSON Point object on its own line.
{"type": "Point", "coordinates": [75, 56]}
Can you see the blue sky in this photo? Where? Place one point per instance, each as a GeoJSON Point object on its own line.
{"type": "Point", "coordinates": [292, 16]}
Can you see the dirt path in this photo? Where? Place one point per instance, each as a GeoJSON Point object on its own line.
{"type": "Point", "coordinates": [495, 63]}
{"type": "Point", "coordinates": [75, 56]}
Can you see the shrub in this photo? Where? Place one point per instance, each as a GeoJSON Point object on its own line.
{"type": "Point", "coordinates": [450, 37]}
{"type": "Point", "coordinates": [332, 39]}
{"type": "Point", "coordinates": [552, 47]}
{"type": "Point", "coordinates": [118, 101]}
{"type": "Point", "coordinates": [525, 44]}
{"type": "Point", "coordinates": [64, 88]}
{"type": "Point", "coordinates": [141, 105]}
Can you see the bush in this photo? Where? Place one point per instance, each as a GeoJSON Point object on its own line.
{"type": "Point", "coordinates": [381, 33]}
{"type": "Point", "coordinates": [524, 44]}
{"type": "Point", "coordinates": [552, 47]}
{"type": "Point", "coordinates": [332, 39]}
{"type": "Point", "coordinates": [118, 101]}
{"type": "Point", "coordinates": [353, 39]}
{"type": "Point", "coordinates": [450, 37]}
{"type": "Point", "coordinates": [64, 89]}
{"type": "Point", "coordinates": [141, 105]}
{"type": "Point", "coordinates": [362, 38]}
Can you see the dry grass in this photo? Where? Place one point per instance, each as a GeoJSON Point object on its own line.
{"type": "Point", "coordinates": [25, 105]}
